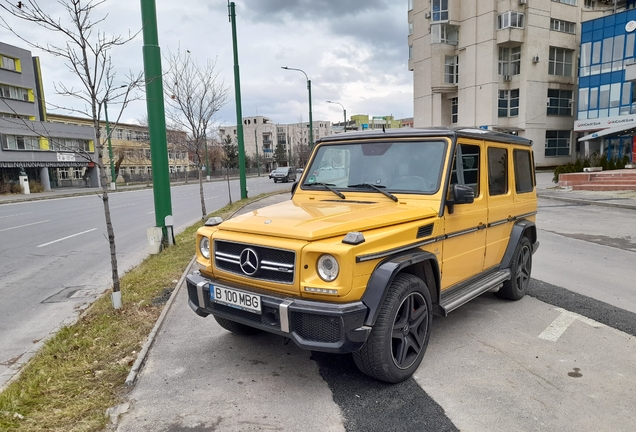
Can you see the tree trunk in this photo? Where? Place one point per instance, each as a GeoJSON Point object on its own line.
{"type": "Point", "coordinates": [109, 224]}
{"type": "Point", "coordinates": [229, 192]}
{"type": "Point", "coordinates": [203, 211]}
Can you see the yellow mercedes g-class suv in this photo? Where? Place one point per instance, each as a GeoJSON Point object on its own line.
{"type": "Point", "coordinates": [383, 230]}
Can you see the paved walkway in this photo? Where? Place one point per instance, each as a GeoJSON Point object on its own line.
{"type": "Point", "coordinates": [545, 189]}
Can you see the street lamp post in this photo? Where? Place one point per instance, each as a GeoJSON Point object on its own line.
{"type": "Point", "coordinates": [344, 111]}
{"type": "Point", "coordinates": [311, 123]}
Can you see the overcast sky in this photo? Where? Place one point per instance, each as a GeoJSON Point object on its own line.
{"type": "Point", "coordinates": [354, 52]}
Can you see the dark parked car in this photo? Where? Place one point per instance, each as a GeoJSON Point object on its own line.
{"type": "Point", "coordinates": [284, 174]}
{"type": "Point", "coordinates": [271, 173]}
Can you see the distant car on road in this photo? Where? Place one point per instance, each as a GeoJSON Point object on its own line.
{"type": "Point", "coordinates": [284, 174]}
{"type": "Point", "coordinates": [299, 170]}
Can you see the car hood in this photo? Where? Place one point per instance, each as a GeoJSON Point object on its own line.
{"type": "Point", "coordinates": [323, 219]}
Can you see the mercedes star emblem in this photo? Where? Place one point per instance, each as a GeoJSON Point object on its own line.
{"type": "Point", "coordinates": [249, 261]}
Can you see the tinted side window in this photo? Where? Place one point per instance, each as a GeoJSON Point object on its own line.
{"type": "Point", "coordinates": [466, 166]}
{"type": "Point", "coordinates": [524, 180]}
{"type": "Point", "coordinates": [497, 171]}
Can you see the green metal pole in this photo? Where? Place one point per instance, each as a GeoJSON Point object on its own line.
{"type": "Point", "coordinates": [113, 180]}
{"type": "Point", "coordinates": [156, 115]}
{"type": "Point", "coordinates": [311, 121]}
{"type": "Point", "coordinates": [239, 113]}
{"type": "Point", "coordinates": [258, 164]}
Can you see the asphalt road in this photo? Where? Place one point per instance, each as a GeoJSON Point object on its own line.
{"type": "Point", "coordinates": [54, 255]}
{"type": "Point", "coordinates": [561, 359]}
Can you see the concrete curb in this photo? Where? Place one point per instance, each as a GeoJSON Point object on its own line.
{"type": "Point", "coordinates": [143, 354]}
{"type": "Point", "coordinates": [588, 201]}
{"type": "Point", "coordinates": [132, 375]}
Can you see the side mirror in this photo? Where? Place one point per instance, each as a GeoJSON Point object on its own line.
{"type": "Point", "coordinates": [459, 194]}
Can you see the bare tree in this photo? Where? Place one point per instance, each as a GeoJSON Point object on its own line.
{"type": "Point", "coordinates": [87, 54]}
{"type": "Point", "coordinates": [194, 94]}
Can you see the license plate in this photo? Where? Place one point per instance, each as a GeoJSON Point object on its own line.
{"type": "Point", "coordinates": [235, 298]}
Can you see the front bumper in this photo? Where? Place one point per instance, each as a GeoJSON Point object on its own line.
{"type": "Point", "coordinates": [312, 325]}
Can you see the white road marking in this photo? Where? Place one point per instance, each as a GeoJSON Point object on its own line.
{"type": "Point", "coordinates": [17, 214]}
{"type": "Point", "coordinates": [150, 212]}
{"type": "Point", "coordinates": [67, 237]}
{"type": "Point", "coordinates": [563, 321]}
{"type": "Point", "coordinates": [558, 327]}
{"type": "Point", "coordinates": [125, 205]}
{"type": "Point", "coordinates": [214, 197]}
{"type": "Point", "coordinates": [22, 226]}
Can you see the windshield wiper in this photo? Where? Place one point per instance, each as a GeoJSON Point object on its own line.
{"type": "Point", "coordinates": [328, 186]}
{"type": "Point", "coordinates": [378, 188]}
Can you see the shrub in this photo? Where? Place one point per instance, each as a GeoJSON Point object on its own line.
{"type": "Point", "coordinates": [602, 162]}
{"type": "Point", "coordinates": [16, 188]}
{"type": "Point", "coordinates": [5, 188]}
{"type": "Point", "coordinates": [35, 186]}
{"type": "Point", "coordinates": [578, 165]}
{"type": "Point", "coordinates": [611, 164]}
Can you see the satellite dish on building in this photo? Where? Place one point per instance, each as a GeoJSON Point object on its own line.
{"type": "Point", "coordinates": [630, 26]}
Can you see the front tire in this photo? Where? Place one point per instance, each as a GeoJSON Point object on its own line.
{"type": "Point", "coordinates": [520, 269]}
{"type": "Point", "coordinates": [397, 343]}
{"type": "Point", "coordinates": [236, 328]}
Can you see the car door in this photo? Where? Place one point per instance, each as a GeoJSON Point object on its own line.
{"type": "Point", "coordinates": [463, 248]}
{"type": "Point", "coordinates": [500, 203]}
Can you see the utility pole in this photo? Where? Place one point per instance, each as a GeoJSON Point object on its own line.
{"type": "Point", "coordinates": [239, 113]}
{"type": "Point", "coordinates": [156, 120]}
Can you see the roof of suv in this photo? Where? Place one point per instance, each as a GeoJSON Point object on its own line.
{"type": "Point", "coordinates": [468, 132]}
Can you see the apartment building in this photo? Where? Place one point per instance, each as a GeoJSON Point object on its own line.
{"type": "Point", "coordinates": [53, 154]}
{"type": "Point", "coordinates": [261, 136]}
{"type": "Point", "coordinates": [506, 65]}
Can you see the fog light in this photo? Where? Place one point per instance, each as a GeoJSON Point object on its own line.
{"type": "Point", "coordinates": [321, 291]}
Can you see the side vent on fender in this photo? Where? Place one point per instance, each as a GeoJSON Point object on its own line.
{"type": "Point", "coordinates": [424, 231]}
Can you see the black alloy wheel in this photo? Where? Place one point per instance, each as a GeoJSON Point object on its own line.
{"type": "Point", "coordinates": [520, 269]}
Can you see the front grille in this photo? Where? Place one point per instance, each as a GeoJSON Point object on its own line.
{"type": "Point", "coordinates": [318, 328]}
{"type": "Point", "coordinates": [274, 265]}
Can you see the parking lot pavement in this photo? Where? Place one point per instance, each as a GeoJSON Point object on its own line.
{"type": "Point", "coordinates": [201, 377]}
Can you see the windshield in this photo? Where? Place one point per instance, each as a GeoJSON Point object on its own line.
{"type": "Point", "coordinates": [282, 169]}
{"type": "Point", "coordinates": [409, 167]}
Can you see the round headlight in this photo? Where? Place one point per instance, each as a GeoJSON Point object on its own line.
{"type": "Point", "coordinates": [328, 268]}
{"type": "Point", "coordinates": [204, 247]}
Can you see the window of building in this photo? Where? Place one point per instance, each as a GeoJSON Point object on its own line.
{"type": "Point", "coordinates": [589, 4]}
{"type": "Point", "coordinates": [78, 172]}
{"type": "Point", "coordinates": [11, 92]}
{"type": "Point", "coordinates": [8, 63]}
{"type": "Point", "coordinates": [509, 60]}
{"type": "Point", "coordinates": [454, 110]}
{"type": "Point", "coordinates": [559, 102]}
{"type": "Point", "coordinates": [560, 61]}
{"type": "Point", "coordinates": [497, 171]}
{"type": "Point", "coordinates": [569, 2]}
{"type": "Point", "coordinates": [69, 144]}
{"type": "Point", "coordinates": [510, 19]}
{"type": "Point", "coordinates": [440, 10]}
{"type": "Point", "coordinates": [524, 181]}
{"type": "Point", "coordinates": [62, 173]}
{"type": "Point", "coordinates": [17, 142]}
{"type": "Point", "coordinates": [444, 33]}
{"type": "Point", "coordinates": [410, 57]}
{"type": "Point", "coordinates": [508, 103]}
{"type": "Point", "coordinates": [129, 135]}
{"type": "Point", "coordinates": [451, 69]}
{"type": "Point", "coordinates": [410, 5]}
{"type": "Point", "coordinates": [119, 133]}
{"type": "Point", "coordinates": [562, 26]}
{"type": "Point", "coordinates": [557, 143]}
{"type": "Point", "coordinates": [410, 28]}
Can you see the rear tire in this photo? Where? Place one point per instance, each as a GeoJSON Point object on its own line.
{"type": "Point", "coordinates": [520, 269]}
{"type": "Point", "coordinates": [397, 343]}
{"type": "Point", "coordinates": [236, 328]}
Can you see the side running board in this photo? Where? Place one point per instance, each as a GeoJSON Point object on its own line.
{"type": "Point", "coordinates": [468, 291]}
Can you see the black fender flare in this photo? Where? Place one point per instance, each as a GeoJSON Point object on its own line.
{"type": "Point", "coordinates": [520, 228]}
{"type": "Point", "coordinates": [383, 276]}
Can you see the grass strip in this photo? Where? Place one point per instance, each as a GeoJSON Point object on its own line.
{"type": "Point", "coordinates": [81, 370]}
